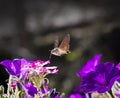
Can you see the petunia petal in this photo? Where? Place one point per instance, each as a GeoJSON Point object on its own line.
{"type": "Point", "coordinates": [101, 79]}
{"type": "Point", "coordinates": [90, 66]}
{"type": "Point", "coordinates": [76, 95]}
{"type": "Point", "coordinates": [31, 89]}
{"type": "Point", "coordinates": [13, 68]}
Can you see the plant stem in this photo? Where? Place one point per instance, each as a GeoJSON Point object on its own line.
{"type": "Point", "coordinates": [9, 85]}
{"type": "Point", "coordinates": [111, 94]}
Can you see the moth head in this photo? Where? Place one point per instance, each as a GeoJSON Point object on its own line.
{"type": "Point", "coordinates": [55, 51]}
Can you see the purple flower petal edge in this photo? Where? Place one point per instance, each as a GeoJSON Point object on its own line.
{"type": "Point", "coordinates": [90, 66]}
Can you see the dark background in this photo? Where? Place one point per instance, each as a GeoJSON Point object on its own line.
{"type": "Point", "coordinates": [28, 29]}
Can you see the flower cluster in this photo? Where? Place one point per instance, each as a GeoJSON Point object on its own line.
{"type": "Point", "coordinates": [99, 80]}
{"type": "Point", "coordinates": [28, 79]}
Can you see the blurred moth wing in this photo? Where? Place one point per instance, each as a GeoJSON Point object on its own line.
{"type": "Point", "coordinates": [63, 47]}
{"type": "Point", "coordinates": [56, 43]}
{"type": "Point", "coordinates": [65, 43]}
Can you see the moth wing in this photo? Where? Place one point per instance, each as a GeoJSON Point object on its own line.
{"type": "Point", "coordinates": [56, 42]}
{"type": "Point", "coordinates": [65, 43]}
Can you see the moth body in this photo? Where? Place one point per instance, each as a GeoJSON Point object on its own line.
{"type": "Point", "coordinates": [58, 52]}
{"type": "Point", "coordinates": [63, 48]}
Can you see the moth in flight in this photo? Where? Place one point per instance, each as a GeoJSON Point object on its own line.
{"type": "Point", "coordinates": [63, 48]}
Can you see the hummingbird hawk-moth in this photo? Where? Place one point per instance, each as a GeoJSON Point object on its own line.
{"type": "Point", "coordinates": [63, 48]}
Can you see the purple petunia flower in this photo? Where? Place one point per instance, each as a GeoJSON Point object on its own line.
{"type": "Point", "coordinates": [13, 67]}
{"type": "Point", "coordinates": [22, 66]}
{"type": "Point", "coordinates": [118, 66]}
{"type": "Point", "coordinates": [16, 67]}
{"type": "Point", "coordinates": [31, 89]}
{"type": "Point", "coordinates": [101, 79]}
{"type": "Point", "coordinates": [117, 95]}
{"type": "Point", "coordinates": [32, 75]}
{"type": "Point", "coordinates": [76, 95]}
{"type": "Point", "coordinates": [90, 66]}
{"type": "Point", "coordinates": [57, 96]}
